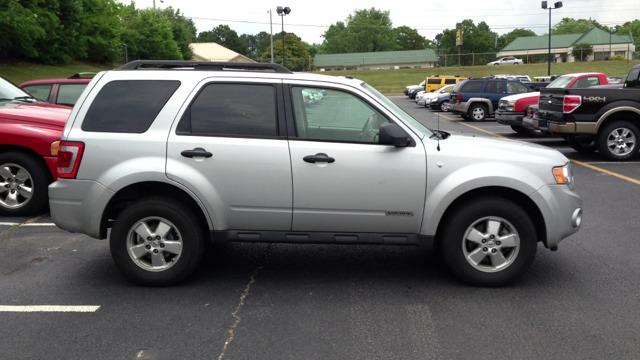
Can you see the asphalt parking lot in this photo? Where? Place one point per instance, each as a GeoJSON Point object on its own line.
{"type": "Point", "coordinates": [253, 301]}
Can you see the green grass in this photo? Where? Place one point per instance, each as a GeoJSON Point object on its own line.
{"type": "Point", "coordinates": [18, 72]}
{"type": "Point", "coordinates": [394, 81]}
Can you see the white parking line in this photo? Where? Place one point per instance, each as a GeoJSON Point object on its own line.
{"type": "Point", "coordinates": [25, 224]}
{"type": "Point", "coordinates": [50, 308]}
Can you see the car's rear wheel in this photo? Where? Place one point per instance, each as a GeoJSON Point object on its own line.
{"type": "Point", "coordinates": [23, 184]}
{"type": "Point", "coordinates": [618, 140]}
{"type": "Point", "coordinates": [478, 112]}
{"type": "Point", "coordinates": [157, 242]}
{"type": "Point", "coordinates": [488, 242]}
{"type": "Point", "coordinates": [582, 144]}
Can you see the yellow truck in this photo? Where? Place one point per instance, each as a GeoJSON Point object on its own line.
{"type": "Point", "coordinates": [436, 82]}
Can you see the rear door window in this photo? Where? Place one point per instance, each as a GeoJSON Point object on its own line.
{"type": "Point", "coordinates": [234, 110]}
{"type": "Point", "coordinates": [493, 87]}
{"type": "Point", "coordinates": [586, 82]}
{"type": "Point", "coordinates": [472, 86]}
{"type": "Point", "coordinates": [68, 94]}
{"type": "Point", "coordinates": [128, 106]}
{"type": "Point", "coordinates": [40, 92]}
{"type": "Point", "coordinates": [449, 81]}
{"type": "Point", "coordinates": [434, 81]}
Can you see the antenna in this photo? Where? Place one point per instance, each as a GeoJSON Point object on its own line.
{"type": "Point", "coordinates": [439, 134]}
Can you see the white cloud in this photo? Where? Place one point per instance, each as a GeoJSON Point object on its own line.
{"type": "Point", "coordinates": [429, 17]}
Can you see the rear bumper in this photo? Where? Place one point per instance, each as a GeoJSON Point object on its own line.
{"type": "Point", "coordinates": [77, 205]}
{"type": "Point", "coordinates": [561, 209]}
{"type": "Point", "coordinates": [534, 123]}
{"type": "Point", "coordinates": [460, 107]}
{"type": "Point", "coordinates": [509, 118]}
{"type": "Point", "coordinates": [589, 128]}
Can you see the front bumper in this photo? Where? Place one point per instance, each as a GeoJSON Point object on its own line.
{"type": "Point", "coordinates": [77, 205]}
{"type": "Point", "coordinates": [509, 117]}
{"type": "Point", "coordinates": [561, 209]}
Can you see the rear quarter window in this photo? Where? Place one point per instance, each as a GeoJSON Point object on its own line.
{"type": "Point", "coordinates": [471, 86]}
{"type": "Point", "coordinates": [128, 106]}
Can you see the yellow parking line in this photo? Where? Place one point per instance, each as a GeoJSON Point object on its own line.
{"type": "Point", "coordinates": [583, 164]}
{"type": "Point", "coordinates": [607, 172]}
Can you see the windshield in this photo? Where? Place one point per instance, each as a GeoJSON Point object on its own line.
{"type": "Point", "coordinates": [561, 82]}
{"type": "Point", "coordinates": [406, 118]}
{"type": "Point", "coordinates": [8, 91]}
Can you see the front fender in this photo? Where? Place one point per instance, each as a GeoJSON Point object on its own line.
{"type": "Point", "coordinates": [442, 194]}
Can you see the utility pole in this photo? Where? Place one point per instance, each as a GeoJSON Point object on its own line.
{"type": "Point", "coordinates": [609, 57]}
{"type": "Point", "coordinates": [271, 32]}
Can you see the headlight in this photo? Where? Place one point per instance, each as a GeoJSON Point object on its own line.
{"type": "Point", "coordinates": [509, 105]}
{"type": "Point", "coordinates": [563, 175]}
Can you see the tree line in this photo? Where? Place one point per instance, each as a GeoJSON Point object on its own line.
{"type": "Point", "coordinates": [61, 31]}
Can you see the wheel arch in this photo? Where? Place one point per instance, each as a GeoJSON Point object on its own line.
{"type": "Point", "coordinates": [140, 190]}
{"type": "Point", "coordinates": [510, 194]}
{"type": "Point", "coordinates": [486, 102]}
{"type": "Point", "coordinates": [628, 113]}
{"type": "Point", "coordinates": [5, 148]}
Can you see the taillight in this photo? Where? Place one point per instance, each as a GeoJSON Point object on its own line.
{"type": "Point", "coordinates": [69, 156]}
{"type": "Point", "coordinates": [458, 97]}
{"type": "Point", "coordinates": [570, 103]}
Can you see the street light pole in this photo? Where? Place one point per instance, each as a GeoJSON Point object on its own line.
{"type": "Point", "coordinates": [282, 12]}
{"type": "Point", "coordinates": [271, 32]}
{"type": "Point", "coordinates": [556, 5]}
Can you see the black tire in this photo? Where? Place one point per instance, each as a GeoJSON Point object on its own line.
{"type": "Point", "coordinates": [582, 144]}
{"type": "Point", "coordinates": [456, 225]}
{"type": "Point", "coordinates": [473, 107]}
{"type": "Point", "coordinates": [603, 136]}
{"type": "Point", "coordinates": [445, 109]}
{"type": "Point", "coordinates": [191, 230]}
{"type": "Point", "coordinates": [40, 179]}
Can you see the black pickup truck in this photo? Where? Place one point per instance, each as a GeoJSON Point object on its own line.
{"type": "Point", "coordinates": [603, 119]}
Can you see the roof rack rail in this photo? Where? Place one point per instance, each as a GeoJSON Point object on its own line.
{"type": "Point", "coordinates": [80, 75]}
{"type": "Point", "coordinates": [202, 65]}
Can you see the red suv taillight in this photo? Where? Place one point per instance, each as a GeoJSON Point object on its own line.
{"type": "Point", "coordinates": [570, 103]}
{"type": "Point", "coordinates": [458, 97]}
{"type": "Point", "coordinates": [69, 156]}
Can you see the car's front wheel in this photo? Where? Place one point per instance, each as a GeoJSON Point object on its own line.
{"type": "Point", "coordinates": [23, 184]}
{"type": "Point", "coordinates": [157, 242]}
{"type": "Point", "coordinates": [445, 106]}
{"type": "Point", "coordinates": [488, 242]}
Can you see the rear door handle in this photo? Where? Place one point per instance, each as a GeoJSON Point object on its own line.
{"type": "Point", "coordinates": [319, 157]}
{"type": "Point", "coordinates": [197, 152]}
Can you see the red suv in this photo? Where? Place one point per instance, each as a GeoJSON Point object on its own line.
{"type": "Point", "coordinates": [58, 91]}
{"type": "Point", "coordinates": [29, 138]}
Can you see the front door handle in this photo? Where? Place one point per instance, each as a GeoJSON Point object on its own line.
{"type": "Point", "coordinates": [197, 152]}
{"type": "Point", "coordinates": [319, 157]}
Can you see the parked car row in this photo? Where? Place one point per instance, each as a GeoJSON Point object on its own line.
{"type": "Point", "coordinates": [591, 111]}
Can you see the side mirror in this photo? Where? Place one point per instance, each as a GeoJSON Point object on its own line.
{"type": "Point", "coordinates": [392, 134]}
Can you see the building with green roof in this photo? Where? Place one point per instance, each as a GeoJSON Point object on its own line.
{"type": "Point", "coordinates": [376, 60]}
{"type": "Point", "coordinates": [605, 45]}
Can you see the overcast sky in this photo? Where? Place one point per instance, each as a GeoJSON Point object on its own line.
{"type": "Point", "coordinates": [309, 19]}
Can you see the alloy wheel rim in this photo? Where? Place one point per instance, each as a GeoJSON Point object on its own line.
{"type": "Point", "coordinates": [491, 244]}
{"type": "Point", "coordinates": [16, 186]}
{"type": "Point", "coordinates": [478, 113]}
{"type": "Point", "coordinates": [154, 244]}
{"type": "Point", "coordinates": [621, 141]}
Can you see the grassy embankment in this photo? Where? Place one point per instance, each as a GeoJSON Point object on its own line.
{"type": "Point", "coordinates": [393, 81]}
{"type": "Point", "coordinates": [18, 72]}
{"type": "Point", "coordinates": [387, 81]}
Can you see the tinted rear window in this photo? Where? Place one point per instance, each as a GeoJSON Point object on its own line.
{"type": "Point", "coordinates": [434, 81]}
{"type": "Point", "coordinates": [68, 94]}
{"type": "Point", "coordinates": [472, 86]}
{"type": "Point", "coordinates": [241, 110]}
{"type": "Point", "coordinates": [128, 106]}
{"type": "Point", "coordinates": [492, 87]}
{"type": "Point", "coordinates": [449, 81]}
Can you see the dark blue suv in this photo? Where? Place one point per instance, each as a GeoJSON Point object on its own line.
{"type": "Point", "coordinates": [477, 99]}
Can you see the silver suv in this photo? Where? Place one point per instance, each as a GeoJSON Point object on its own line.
{"type": "Point", "coordinates": [161, 156]}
